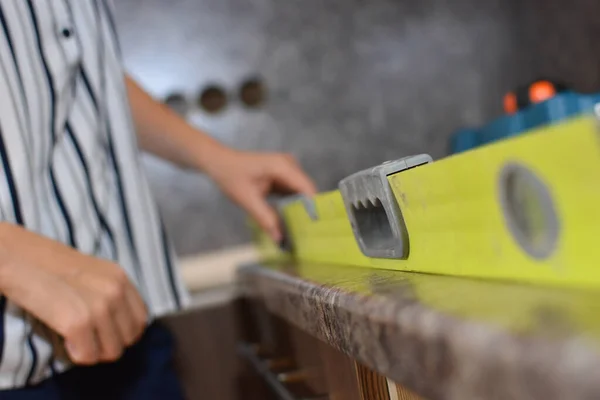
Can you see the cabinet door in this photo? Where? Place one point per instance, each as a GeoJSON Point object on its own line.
{"type": "Point", "coordinates": [399, 392]}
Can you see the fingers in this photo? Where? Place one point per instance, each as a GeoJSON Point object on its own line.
{"type": "Point", "coordinates": [83, 347]}
{"type": "Point", "coordinates": [288, 174]}
{"type": "Point", "coordinates": [88, 301]}
{"type": "Point", "coordinates": [81, 340]}
{"type": "Point", "coordinates": [137, 316]}
{"type": "Point", "coordinates": [57, 305]}
{"type": "Point", "coordinates": [121, 315]}
{"type": "Point", "coordinates": [117, 318]}
{"type": "Point", "coordinates": [125, 325]}
{"type": "Point", "coordinates": [263, 213]}
{"type": "Point", "coordinates": [108, 330]}
{"type": "Point", "coordinates": [279, 171]}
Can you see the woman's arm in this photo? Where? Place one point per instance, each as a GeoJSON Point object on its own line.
{"type": "Point", "coordinates": [246, 177]}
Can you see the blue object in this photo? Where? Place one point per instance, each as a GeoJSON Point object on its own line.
{"type": "Point", "coordinates": [464, 139]}
{"type": "Point", "coordinates": [558, 108]}
{"type": "Point", "coordinates": [144, 372]}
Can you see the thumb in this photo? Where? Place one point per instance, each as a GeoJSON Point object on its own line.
{"type": "Point", "coordinates": [264, 214]}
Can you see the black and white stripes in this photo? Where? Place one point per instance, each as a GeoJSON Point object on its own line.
{"type": "Point", "coordinates": [69, 166]}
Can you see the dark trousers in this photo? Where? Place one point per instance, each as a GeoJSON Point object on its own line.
{"type": "Point", "coordinates": [145, 371]}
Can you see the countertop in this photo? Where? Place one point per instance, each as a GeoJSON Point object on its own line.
{"type": "Point", "coordinates": [206, 271]}
{"type": "Point", "coordinates": [443, 337]}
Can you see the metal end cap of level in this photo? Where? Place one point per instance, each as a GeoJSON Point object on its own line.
{"type": "Point", "coordinates": [310, 208]}
{"type": "Point", "coordinates": [373, 211]}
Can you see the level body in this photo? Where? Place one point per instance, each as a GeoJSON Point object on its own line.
{"type": "Point", "coordinates": [466, 215]}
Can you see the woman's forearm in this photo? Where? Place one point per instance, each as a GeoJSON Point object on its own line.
{"type": "Point", "coordinates": [165, 134]}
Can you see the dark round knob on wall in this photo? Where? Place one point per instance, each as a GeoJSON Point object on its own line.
{"type": "Point", "coordinates": [252, 92]}
{"type": "Point", "coordinates": [212, 99]}
{"type": "Point", "coordinates": [178, 103]}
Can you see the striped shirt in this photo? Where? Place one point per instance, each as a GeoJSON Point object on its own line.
{"type": "Point", "coordinates": [70, 167]}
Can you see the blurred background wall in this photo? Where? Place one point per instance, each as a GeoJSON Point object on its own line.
{"type": "Point", "coordinates": [349, 83]}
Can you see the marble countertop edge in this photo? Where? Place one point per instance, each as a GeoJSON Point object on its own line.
{"type": "Point", "coordinates": [436, 355]}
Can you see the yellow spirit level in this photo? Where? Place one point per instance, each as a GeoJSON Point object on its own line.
{"type": "Point", "coordinates": [524, 209]}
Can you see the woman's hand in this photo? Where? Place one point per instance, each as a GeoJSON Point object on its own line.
{"type": "Point", "coordinates": [249, 177]}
